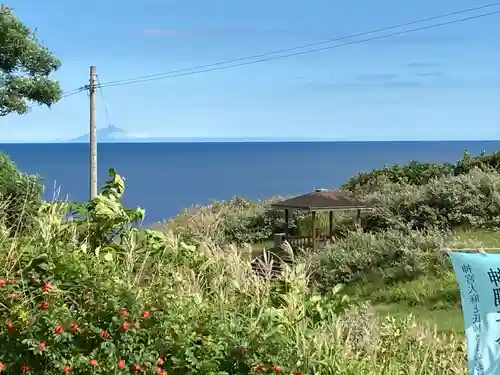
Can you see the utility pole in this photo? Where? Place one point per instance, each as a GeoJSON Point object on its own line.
{"type": "Point", "coordinates": [93, 135]}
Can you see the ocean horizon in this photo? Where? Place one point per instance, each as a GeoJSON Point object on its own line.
{"type": "Point", "coordinates": [239, 140]}
{"type": "Point", "coordinates": [167, 177]}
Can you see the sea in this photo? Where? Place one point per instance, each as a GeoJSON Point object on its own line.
{"type": "Point", "coordinates": [165, 178]}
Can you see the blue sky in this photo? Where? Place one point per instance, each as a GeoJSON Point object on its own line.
{"type": "Point", "coordinates": [442, 83]}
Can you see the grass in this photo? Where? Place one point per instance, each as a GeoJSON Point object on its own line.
{"type": "Point", "coordinates": [449, 320]}
{"type": "Point", "coordinates": [480, 238]}
{"type": "Point", "coordinates": [430, 299]}
{"type": "Point", "coordinates": [259, 247]}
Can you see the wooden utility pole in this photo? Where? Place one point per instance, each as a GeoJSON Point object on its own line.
{"type": "Point", "coordinates": [93, 135]}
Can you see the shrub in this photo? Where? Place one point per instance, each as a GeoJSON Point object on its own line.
{"type": "Point", "coordinates": [413, 173]}
{"type": "Point", "coordinates": [387, 257]}
{"type": "Point", "coordinates": [417, 173]}
{"type": "Point", "coordinates": [394, 266]}
{"type": "Point", "coordinates": [469, 200]}
{"type": "Point", "coordinates": [237, 221]}
{"type": "Point", "coordinates": [20, 196]}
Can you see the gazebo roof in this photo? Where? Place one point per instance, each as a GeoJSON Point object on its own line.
{"type": "Point", "coordinates": [322, 200]}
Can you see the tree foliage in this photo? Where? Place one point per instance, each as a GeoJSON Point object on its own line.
{"type": "Point", "coordinates": [25, 66]}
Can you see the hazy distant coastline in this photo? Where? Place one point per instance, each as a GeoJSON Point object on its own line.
{"type": "Point", "coordinates": [113, 134]}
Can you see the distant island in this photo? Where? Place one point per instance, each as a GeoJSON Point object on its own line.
{"type": "Point", "coordinates": [108, 134]}
{"type": "Point", "coordinates": [113, 133]}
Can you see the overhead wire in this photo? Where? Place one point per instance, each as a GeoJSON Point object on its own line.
{"type": "Point", "coordinates": [64, 95]}
{"type": "Point", "coordinates": [103, 101]}
{"type": "Point", "coordinates": [74, 92]}
{"type": "Point", "coordinates": [262, 57]}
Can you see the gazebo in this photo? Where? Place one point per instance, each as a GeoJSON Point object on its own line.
{"type": "Point", "coordinates": [320, 200]}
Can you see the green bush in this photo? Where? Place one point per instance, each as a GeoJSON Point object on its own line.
{"type": "Point", "coordinates": [417, 173]}
{"type": "Point", "coordinates": [413, 173]}
{"type": "Point", "coordinates": [20, 197]}
{"type": "Point", "coordinates": [237, 221]}
{"type": "Point", "coordinates": [388, 257]}
{"type": "Point", "coordinates": [469, 200]}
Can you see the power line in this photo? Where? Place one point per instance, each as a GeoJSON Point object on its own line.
{"type": "Point", "coordinates": [74, 92]}
{"type": "Point", "coordinates": [103, 101]}
{"type": "Point", "coordinates": [216, 66]}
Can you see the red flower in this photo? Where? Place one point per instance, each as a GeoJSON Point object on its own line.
{"type": "Point", "coordinates": [121, 364]}
{"type": "Point", "coordinates": [59, 329]}
{"type": "Point", "coordinates": [41, 345]}
{"type": "Point", "coordinates": [298, 373]}
{"type": "Point", "coordinates": [2, 366]}
{"type": "Point", "coordinates": [67, 369]}
{"type": "Point", "coordinates": [159, 370]}
{"type": "Point", "coordinates": [75, 327]}
{"type": "Point", "coordinates": [145, 314]}
{"type": "Point", "coordinates": [276, 368]}
{"type": "Point", "coordinates": [2, 282]}
{"type": "Point", "coordinates": [24, 369]}
{"type": "Point", "coordinates": [44, 305]}
{"type": "Point", "coordinates": [125, 326]}
{"type": "Point", "coordinates": [93, 363]}
{"type": "Point", "coordinates": [123, 313]}
{"type": "Point", "coordinates": [10, 325]}
{"type": "Point", "coordinates": [104, 335]}
{"type": "Point", "coordinates": [47, 287]}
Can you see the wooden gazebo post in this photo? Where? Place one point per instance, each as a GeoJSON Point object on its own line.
{"type": "Point", "coordinates": [286, 223]}
{"type": "Point", "coordinates": [330, 223]}
{"type": "Point", "coordinates": [313, 228]}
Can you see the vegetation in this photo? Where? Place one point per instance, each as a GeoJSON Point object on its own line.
{"type": "Point", "coordinates": [25, 65]}
{"type": "Point", "coordinates": [418, 208]}
{"type": "Point", "coordinates": [20, 197]}
{"type": "Point", "coordinates": [84, 289]}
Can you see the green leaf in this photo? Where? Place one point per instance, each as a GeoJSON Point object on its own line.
{"type": "Point", "coordinates": [43, 266]}
{"type": "Point", "coordinates": [108, 257]}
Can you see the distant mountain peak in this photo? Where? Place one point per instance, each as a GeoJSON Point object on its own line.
{"type": "Point", "coordinates": [114, 129]}
{"type": "Point", "coordinates": [109, 133]}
